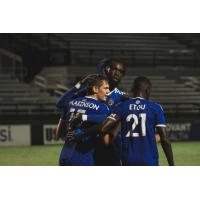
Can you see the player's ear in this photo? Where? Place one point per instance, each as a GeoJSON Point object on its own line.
{"type": "Point", "coordinates": [107, 68]}
{"type": "Point", "coordinates": [95, 89]}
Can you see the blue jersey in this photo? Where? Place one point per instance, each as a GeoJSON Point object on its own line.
{"type": "Point", "coordinates": [114, 97]}
{"type": "Point", "coordinates": [103, 155]}
{"type": "Point", "coordinates": [139, 118]}
{"type": "Point", "coordinates": [80, 152]}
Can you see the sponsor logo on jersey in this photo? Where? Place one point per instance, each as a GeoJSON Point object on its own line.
{"type": "Point", "coordinates": [137, 102]}
{"type": "Point", "coordinates": [110, 102]}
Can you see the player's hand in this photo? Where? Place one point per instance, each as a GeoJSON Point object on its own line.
{"type": "Point", "coordinates": [84, 81]}
{"type": "Point", "coordinates": [71, 136]}
{"type": "Point", "coordinates": [76, 121]}
{"type": "Point", "coordinates": [90, 76]}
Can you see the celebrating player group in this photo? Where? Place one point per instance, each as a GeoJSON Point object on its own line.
{"type": "Point", "coordinates": [103, 126]}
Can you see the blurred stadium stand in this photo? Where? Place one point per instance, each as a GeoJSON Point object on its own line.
{"type": "Point", "coordinates": [22, 98]}
{"type": "Point", "coordinates": [172, 93]}
{"type": "Point", "coordinates": [37, 68]}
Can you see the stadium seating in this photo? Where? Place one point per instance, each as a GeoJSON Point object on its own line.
{"type": "Point", "coordinates": [174, 96]}
{"type": "Point", "coordinates": [138, 49]}
{"type": "Point", "coordinates": [151, 52]}
{"type": "Point", "coordinates": [173, 92]}
{"type": "Point", "coordinates": [22, 98]}
{"type": "Point", "coordinates": [49, 77]}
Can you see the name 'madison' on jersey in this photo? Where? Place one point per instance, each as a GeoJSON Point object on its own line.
{"type": "Point", "coordinates": [139, 117]}
{"type": "Point", "coordinates": [84, 103]}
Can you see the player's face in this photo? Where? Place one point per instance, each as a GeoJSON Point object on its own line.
{"type": "Point", "coordinates": [117, 72]}
{"type": "Point", "coordinates": [102, 91]}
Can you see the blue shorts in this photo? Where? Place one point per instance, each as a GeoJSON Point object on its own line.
{"type": "Point", "coordinates": [72, 155]}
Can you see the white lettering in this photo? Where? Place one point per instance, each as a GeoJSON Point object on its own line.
{"type": "Point", "coordinates": [179, 127]}
{"type": "Point", "coordinates": [137, 107]}
{"type": "Point", "coordinates": [85, 104]}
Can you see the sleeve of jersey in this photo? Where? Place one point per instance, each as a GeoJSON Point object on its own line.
{"type": "Point", "coordinates": [64, 115]}
{"type": "Point", "coordinates": [99, 118]}
{"type": "Point", "coordinates": [161, 122]}
{"type": "Point", "coordinates": [64, 100]}
{"type": "Point", "coordinates": [94, 118]}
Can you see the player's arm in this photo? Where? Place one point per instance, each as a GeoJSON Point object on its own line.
{"type": "Point", "coordinates": [109, 136]}
{"type": "Point", "coordinates": [98, 118]}
{"type": "Point", "coordinates": [110, 128]}
{"type": "Point", "coordinates": [60, 130]}
{"type": "Point", "coordinates": [76, 91]}
{"type": "Point", "coordinates": [68, 96]}
{"type": "Point", "coordinates": [94, 130]}
{"type": "Point", "coordinates": [94, 118]}
{"type": "Point", "coordinates": [61, 127]}
{"type": "Point", "coordinates": [166, 145]}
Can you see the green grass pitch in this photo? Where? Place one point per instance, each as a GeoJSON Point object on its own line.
{"type": "Point", "coordinates": [185, 154]}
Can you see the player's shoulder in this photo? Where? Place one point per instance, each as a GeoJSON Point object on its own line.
{"type": "Point", "coordinates": [122, 104]}
{"type": "Point", "coordinates": [83, 99]}
{"type": "Point", "coordinates": [77, 99]}
{"type": "Point", "coordinates": [105, 106]}
{"type": "Point", "coordinates": [117, 91]}
{"type": "Point", "coordinates": [155, 105]}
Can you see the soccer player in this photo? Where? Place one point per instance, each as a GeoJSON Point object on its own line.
{"type": "Point", "coordinates": [80, 151]}
{"type": "Point", "coordinates": [110, 155]}
{"type": "Point", "coordinates": [139, 119]}
{"type": "Point", "coordinates": [114, 70]}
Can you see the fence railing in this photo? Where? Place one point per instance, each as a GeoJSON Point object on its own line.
{"type": "Point", "coordinates": [50, 108]}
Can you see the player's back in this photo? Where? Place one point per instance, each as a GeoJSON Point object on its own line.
{"type": "Point", "coordinates": [139, 118]}
{"type": "Point", "coordinates": [79, 152]}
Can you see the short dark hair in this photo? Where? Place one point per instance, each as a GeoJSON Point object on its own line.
{"type": "Point", "coordinates": [140, 83]}
{"type": "Point", "coordinates": [95, 80]}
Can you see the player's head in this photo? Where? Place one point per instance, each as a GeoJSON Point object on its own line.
{"type": "Point", "coordinates": [98, 87]}
{"type": "Point", "coordinates": [142, 87]}
{"type": "Point", "coordinates": [113, 69]}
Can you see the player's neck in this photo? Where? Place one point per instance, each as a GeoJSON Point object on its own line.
{"type": "Point", "coordinates": [112, 86]}
{"type": "Point", "coordinates": [140, 95]}
{"type": "Point", "coordinates": [92, 96]}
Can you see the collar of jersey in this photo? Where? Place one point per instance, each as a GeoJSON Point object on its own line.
{"type": "Point", "coordinates": [137, 98]}
{"type": "Point", "coordinates": [90, 97]}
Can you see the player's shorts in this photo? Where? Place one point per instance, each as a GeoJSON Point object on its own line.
{"type": "Point", "coordinates": [72, 156]}
{"type": "Point", "coordinates": [142, 162]}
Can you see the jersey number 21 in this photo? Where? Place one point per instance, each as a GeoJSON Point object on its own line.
{"type": "Point", "coordinates": [142, 117]}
